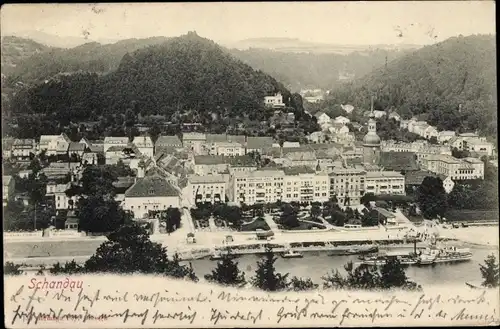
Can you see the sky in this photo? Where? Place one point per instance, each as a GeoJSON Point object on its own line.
{"type": "Point", "coordinates": [405, 22]}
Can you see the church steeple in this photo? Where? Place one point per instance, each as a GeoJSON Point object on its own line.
{"type": "Point", "coordinates": [371, 141]}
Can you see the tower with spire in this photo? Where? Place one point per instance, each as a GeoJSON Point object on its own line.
{"type": "Point", "coordinates": [371, 141]}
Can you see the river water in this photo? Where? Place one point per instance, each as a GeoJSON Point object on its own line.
{"type": "Point", "coordinates": [314, 265]}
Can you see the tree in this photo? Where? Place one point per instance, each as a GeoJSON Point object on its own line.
{"type": "Point", "coordinates": [173, 219]}
{"type": "Point", "coordinates": [315, 211]}
{"type": "Point", "coordinates": [101, 215]}
{"type": "Point", "coordinates": [98, 181]}
{"type": "Point", "coordinates": [12, 269]}
{"type": "Point", "coordinates": [299, 284]}
{"type": "Point", "coordinates": [227, 272]}
{"type": "Point", "coordinates": [432, 197]}
{"type": "Point", "coordinates": [393, 275]}
{"type": "Point", "coordinates": [490, 272]}
{"type": "Point", "coordinates": [367, 198]}
{"type": "Point", "coordinates": [266, 277]}
{"type": "Point", "coordinates": [71, 267]}
{"type": "Point", "coordinates": [289, 217]}
{"type": "Point", "coordinates": [129, 250]}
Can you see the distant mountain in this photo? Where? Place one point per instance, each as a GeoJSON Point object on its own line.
{"type": "Point", "coordinates": [300, 46]}
{"type": "Point", "coordinates": [54, 40]}
{"type": "Point", "coordinates": [186, 78]}
{"type": "Point", "coordinates": [452, 82]}
{"type": "Point", "coordinates": [312, 70]}
{"type": "Point", "coordinates": [89, 57]}
{"type": "Point", "coordinates": [15, 49]}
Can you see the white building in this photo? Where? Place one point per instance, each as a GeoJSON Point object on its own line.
{"type": "Point", "coordinates": [211, 188]}
{"type": "Point", "coordinates": [150, 193]}
{"type": "Point", "coordinates": [347, 184]}
{"type": "Point", "coordinates": [379, 114]}
{"type": "Point", "coordinates": [115, 141]}
{"type": "Point", "coordinates": [194, 142]}
{"type": "Point", "coordinates": [302, 184]}
{"type": "Point", "coordinates": [204, 165]}
{"type": "Point", "coordinates": [8, 190]}
{"type": "Point", "coordinates": [448, 184]}
{"type": "Point", "coordinates": [22, 148]}
{"type": "Point", "coordinates": [229, 149]}
{"type": "Point", "coordinates": [395, 116]}
{"type": "Point", "coordinates": [145, 145]}
{"type": "Point", "coordinates": [456, 169]}
{"type": "Point", "coordinates": [322, 118]}
{"type": "Point", "coordinates": [275, 101]}
{"type": "Point", "coordinates": [347, 108]}
{"type": "Point", "coordinates": [58, 145]}
{"type": "Point", "coordinates": [430, 132]}
{"type": "Point", "coordinates": [446, 135]}
{"type": "Point", "coordinates": [341, 120]}
{"type": "Point", "coordinates": [479, 147]}
{"type": "Point", "coordinates": [313, 99]}
{"type": "Point", "coordinates": [384, 182]}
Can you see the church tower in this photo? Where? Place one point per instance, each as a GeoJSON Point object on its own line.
{"type": "Point", "coordinates": [371, 141]}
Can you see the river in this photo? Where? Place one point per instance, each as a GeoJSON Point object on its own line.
{"type": "Point", "coordinates": [314, 265]}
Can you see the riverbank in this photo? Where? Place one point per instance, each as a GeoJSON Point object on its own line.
{"type": "Point", "coordinates": [476, 235]}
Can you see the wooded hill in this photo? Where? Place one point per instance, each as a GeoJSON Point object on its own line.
{"type": "Point", "coordinates": [453, 83]}
{"type": "Point", "coordinates": [185, 76]}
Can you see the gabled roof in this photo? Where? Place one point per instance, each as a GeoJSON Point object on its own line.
{"type": "Point", "coordinates": [209, 159]}
{"type": "Point", "coordinates": [143, 141]}
{"type": "Point", "coordinates": [293, 171]}
{"type": "Point", "coordinates": [257, 142]}
{"type": "Point", "coordinates": [151, 186]}
{"type": "Point", "coordinates": [45, 139]}
{"type": "Point", "coordinates": [206, 179]}
{"type": "Point", "coordinates": [237, 138]}
{"type": "Point", "coordinates": [214, 138]}
{"type": "Point", "coordinates": [320, 113]}
{"type": "Point", "coordinates": [417, 177]}
{"type": "Point", "coordinates": [116, 140]}
{"type": "Point", "coordinates": [194, 136]}
{"type": "Point", "coordinates": [66, 138]}
{"type": "Point", "coordinates": [76, 147]}
{"type": "Point", "coordinates": [97, 148]}
{"type": "Point", "coordinates": [170, 140]}
{"type": "Point", "coordinates": [242, 161]}
{"type": "Point", "coordinates": [24, 142]}
{"type": "Point", "coordinates": [398, 161]}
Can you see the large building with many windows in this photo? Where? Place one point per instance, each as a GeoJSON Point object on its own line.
{"type": "Point", "coordinates": [202, 189]}
{"type": "Point", "coordinates": [456, 169]}
{"type": "Point", "coordinates": [384, 182]}
{"type": "Point", "coordinates": [347, 184]}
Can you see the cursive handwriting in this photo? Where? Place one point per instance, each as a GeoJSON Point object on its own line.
{"type": "Point", "coordinates": [218, 315]}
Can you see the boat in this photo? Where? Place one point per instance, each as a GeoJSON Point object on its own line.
{"type": "Point", "coordinates": [381, 259]}
{"type": "Point", "coordinates": [217, 255]}
{"type": "Point", "coordinates": [355, 251]}
{"type": "Point", "coordinates": [435, 255]}
{"type": "Point", "coordinates": [291, 254]}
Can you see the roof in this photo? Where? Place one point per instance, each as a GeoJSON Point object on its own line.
{"type": "Point", "coordinates": [237, 138]}
{"type": "Point", "coordinates": [213, 138]}
{"type": "Point", "coordinates": [209, 159]}
{"type": "Point", "coordinates": [293, 171]}
{"type": "Point", "coordinates": [301, 156]}
{"type": "Point", "coordinates": [170, 140]}
{"type": "Point", "coordinates": [65, 137]}
{"type": "Point", "coordinates": [377, 174]}
{"type": "Point", "coordinates": [98, 148]}
{"type": "Point", "coordinates": [242, 161]}
{"type": "Point", "coordinates": [228, 144]}
{"type": "Point", "coordinates": [257, 142]}
{"type": "Point", "coordinates": [417, 177]}
{"type": "Point", "coordinates": [6, 180]}
{"type": "Point", "coordinates": [320, 113]}
{"type": "Point", "coordinates": [267, 172]}
{"type": "Point", "coordinates": [45, 139]}
{"type": "Point", "coordinates": [23, 142]}
{"type": "Point", "coordinates": [385, 213]}
{"type": "Point", "coordinates": [194, 136]}
{"type": "Point", "coordinates": [208, 179]}
{"type": "Point", "coordinates": [143, 141]}
{"type": "Point", "coordinates": [151, 186]}
{"type": "Point", "coordinates": [124, 182]}
{"type": "Point", "coordinates": [472, 160]}
{"type": "Point", "coordinates": [116, 140]}
{"type": "Point", "coordinates": [468, 135]}
{"type": "Point", "coordinates": [398, 161]}
{"type": "Point", "coordinates": [75, 147]}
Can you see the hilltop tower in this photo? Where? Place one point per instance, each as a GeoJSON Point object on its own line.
{"type": "Point", "coordinates": [371, 141]}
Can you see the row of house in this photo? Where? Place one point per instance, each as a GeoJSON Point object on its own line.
{"type": "Point", "coordinates": [421, 148]}
{"type": "Point", "coordinates": [457, 169]}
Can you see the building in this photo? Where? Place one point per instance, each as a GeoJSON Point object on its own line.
{"type": "Point", "coordinates": [194, 142]}
{"type": "Point", "coordinates": [421, 148]}
{"type": "Point", "coordinates": [347, 184]}
{"type": "Point", "coordinates": [313, 99]}
{"type": "Point", "coordinates": [259, 186]}
{"type": "Point", "coordinates": [58, 145]}
{"type": "Point", "coordinates": [115, 141]}
{"type": "Point", "coordinates": [8, 190]}
{"type": "Point", "coordinates": [399, 161]}
{"type": "Point", "coordinates": [339, 129]}
{"type": "Point", "coordinates": [456, 169]}
{"type": "Point", "coordinates": [341, 120]}
{"type": "Point", "coordinates": [347, 108]}
{"type": "Point", "coordinates": [45, 141]}
{"type": "Point", "coordinates": [202, 189]}
{"type": "Point", "coordinates": [90, 158]}
{"type": "Point", "coordinates": [229, 149]}
{"type": "Point", "coordinates": [258, 144]}
{"type": "Point", "coordinates": [448, 184]}
{"type": "Point", "coordinates": [395, 116]}
{"type": "Point", "coordinates": [204, 165]}
{"type": "Point", "coordinates": [445, 136]}
{"type": "Point", "coordinates": [379, 114]}
{"type": "Point", "coordinates": [126, 153]}
{"type": "Point", "coordinates": [77, 149]}
{"type": "Point", "coordinates": [419, 128]}
{"type": "Point", "coordinates": [150, 193]}
{"type": "Point", "coordinates": [22, 149]}
{"type": "Point", "coordinates": [7, 144]}
{"type": "Point", "coordinates": [371, 142]}
{"type": "Point", "coordinates": [317, 137]}
{"type": "Point", "coordinates": [384, 182]}
{"type": "Point", "coordinates": [243, 163]}
{"type": "Point", "coordinates": [303, 184]}
{"type": "Point", "coordinates": [61, 200]}
{"type": "Point", "coordinates": [300, 159]}
{"type": "Point", "coordinates": [479, 147]}
{"type": "Point", "coordinates": [403, 124]}
{"type": "Point", "coordinates": [275, 101]}
{"type": "Point", "coordinates": [61, 170]}
{"type": "Point", "coordinates": [167, 142]}
{"type": "Point", "coordinates": [322, 118]}
{"type": "Point", "coordinates": [430, 132]}
{"type": "Point", "coordinates": [145, 145]}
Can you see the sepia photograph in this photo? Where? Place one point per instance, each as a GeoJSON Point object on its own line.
{"type": "Point", "coordinates": [250, 164]}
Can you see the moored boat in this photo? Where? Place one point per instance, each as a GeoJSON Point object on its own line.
{"type": "Point", "coordinates": [292, 254]}
{"type": "Point", "coordinates": [361, 250]}
{"type": "Point", "coordinates": [381, 259]}
{"type": "Point", "coordinates": [434, 255]}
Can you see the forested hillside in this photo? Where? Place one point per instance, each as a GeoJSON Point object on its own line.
{"type": "Point", "coordinates": [90, 57]}
{"type": "Point", "coordinates": [452, 82]}
{"type": "Point", "coordinates": [313, 70]}
{"type": "Point", "coordinates": [15, 49]}
{"type": "Point", "coordinates": [186, 79]}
